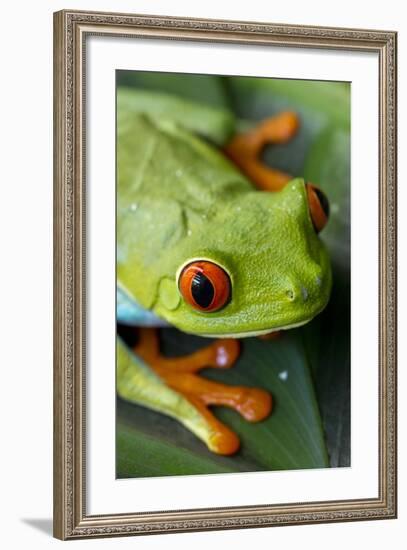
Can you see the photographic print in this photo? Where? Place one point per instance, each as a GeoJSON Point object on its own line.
{"type": "Point", "coordinates": [224, 330]}
{"type": "Point", "coordinates": [233, 274]}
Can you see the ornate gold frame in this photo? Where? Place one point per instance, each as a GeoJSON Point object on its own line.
{"type": "Point", "coordinates": [70, 31]}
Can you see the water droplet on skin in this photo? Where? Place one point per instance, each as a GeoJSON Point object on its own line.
{"type": "Point", "coordinates": [283, 375]}
{"type": "Point", "coordinates": [304, 292]}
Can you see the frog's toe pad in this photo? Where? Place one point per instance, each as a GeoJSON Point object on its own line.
{"type": "Point", "coordinates": [226, 352]}
{"type": "Point", "coordinates": [224, 443]}
{"type": "Point", "coordinates": [255, 405]}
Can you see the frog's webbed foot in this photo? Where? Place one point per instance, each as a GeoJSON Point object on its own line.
{"type": "Point", "coordinates": [245, 150]}
{"type": "Point", "coordinates": [180, 374]}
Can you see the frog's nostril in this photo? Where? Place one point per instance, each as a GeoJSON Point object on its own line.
{"type": "Point", "coordinates": [290, 294]}
{"type": "Point", "coordinates": [293, 294]}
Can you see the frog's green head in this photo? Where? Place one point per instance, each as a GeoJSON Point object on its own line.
{"type": "Point", "coordinates": [253, 265]}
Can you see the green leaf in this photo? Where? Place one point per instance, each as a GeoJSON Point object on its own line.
{"type": "Point", "coordinates": [202, 88]}
{"type": "Point", "coordinates": [328, 102]}
{"type": "Point", "coordinates": [328, 165]}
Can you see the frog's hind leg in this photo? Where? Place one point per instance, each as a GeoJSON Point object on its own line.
{"type": "Point", "coordinates": [245, 150]}
{"type": "Point", "coordinates": [180, 374]}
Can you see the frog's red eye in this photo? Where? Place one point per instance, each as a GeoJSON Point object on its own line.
{"type": "Point", "coordinates": [204, 285]}
{"type": "Point", "coordinates": [318, 207]}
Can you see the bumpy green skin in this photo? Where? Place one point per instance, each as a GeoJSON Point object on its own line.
{"type": "Point", "coordinates": [180, 199]}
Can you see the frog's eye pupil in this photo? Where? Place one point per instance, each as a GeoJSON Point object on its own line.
{"type": "Point", "coordinates": [202, 290]}
{"type": "Point", "coordinates": [204, 285]}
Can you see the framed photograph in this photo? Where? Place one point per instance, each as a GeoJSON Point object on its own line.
{"type": "Point", "coordinates": [225, 274]}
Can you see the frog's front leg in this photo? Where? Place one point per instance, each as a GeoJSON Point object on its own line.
{"type": "Point", "coordinates": [245, 150]}
{"type": "Point", "coordinates": [194, 394]}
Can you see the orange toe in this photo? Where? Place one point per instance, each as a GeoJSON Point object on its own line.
{"type": "Point", "coordinates": [225, 443]}
{"type": "Point", "coordinates": [226, 353]}
{"type": "Point", "coordinates": [257, 405]}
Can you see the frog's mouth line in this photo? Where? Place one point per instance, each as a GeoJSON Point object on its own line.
{"type": "Point", "coordinates": [251, 333]}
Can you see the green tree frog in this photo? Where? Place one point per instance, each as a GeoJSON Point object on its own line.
{"type": "Point", "coordinates": [212, 242]}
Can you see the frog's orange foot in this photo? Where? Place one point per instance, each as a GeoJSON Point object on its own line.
{"type": "Point", "coordinates": [245, 150]}
{"type": "Point", "coordinates": [276, 335]}
{"type": "Point", "coordinates": [180, 374]}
